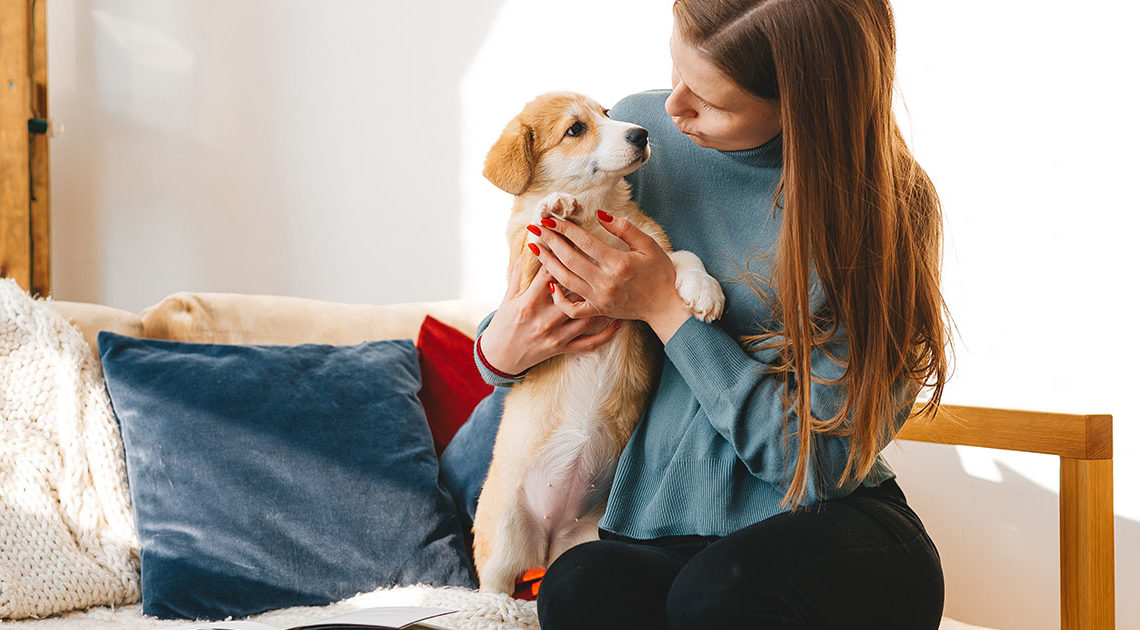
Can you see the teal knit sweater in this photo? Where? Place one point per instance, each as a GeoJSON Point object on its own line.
{"type": "Point", "coordinates": [711, 454]}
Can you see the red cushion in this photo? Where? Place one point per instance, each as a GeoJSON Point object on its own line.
{"type": "Point", "coordinates": [452, 385]}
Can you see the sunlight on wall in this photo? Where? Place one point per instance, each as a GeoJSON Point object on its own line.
{"type": "Point", "coordinates": [149, 92]}
{"type": "Point", "coordinates": [978, 463]}
{"type": "Point", "coordinates": [1023, 120]}
{"type": "Point", "coordinates": [531, 48]}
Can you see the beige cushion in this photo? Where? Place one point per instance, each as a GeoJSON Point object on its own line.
{"type": "Point", "coordinates": [91, 318]}
{"type": "Point", "coordinates": [267, 319]}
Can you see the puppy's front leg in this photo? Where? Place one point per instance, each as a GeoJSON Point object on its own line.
{"type": "Point", "coordinates": [701, 292]}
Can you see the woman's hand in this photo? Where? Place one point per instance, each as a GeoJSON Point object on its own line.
{"type": "Point", "coordinates": [635, 284]}
{"type": "Point", "coordinates": [528, 328]}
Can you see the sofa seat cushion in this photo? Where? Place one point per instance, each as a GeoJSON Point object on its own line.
{"type": "Point", "coordinates": [268, 476]}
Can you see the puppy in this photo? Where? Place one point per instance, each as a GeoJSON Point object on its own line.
{"type": "Point", "coordinates": [565, 424]}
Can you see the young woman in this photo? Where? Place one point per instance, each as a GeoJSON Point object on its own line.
{"type": "Point", "coordinates": [752, 493]}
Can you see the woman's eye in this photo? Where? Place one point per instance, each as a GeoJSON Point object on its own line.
{"type": "Point", "coordinates": [576, 129]}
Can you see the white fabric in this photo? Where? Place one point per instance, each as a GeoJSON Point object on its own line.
{"type": "Point", "coordinates": [477, 611]}
{"type": "Point", "coordinates": [67, 539]}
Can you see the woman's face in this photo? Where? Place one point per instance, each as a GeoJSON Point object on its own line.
{"type": "Point", "coordinates": [712, 109]}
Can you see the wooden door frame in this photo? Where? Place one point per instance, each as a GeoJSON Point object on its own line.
{"type": "Point", "coordinates": [25, 228]}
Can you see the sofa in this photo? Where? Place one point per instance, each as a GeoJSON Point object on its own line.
{"type": "Point", "coordinates": [272, 320]}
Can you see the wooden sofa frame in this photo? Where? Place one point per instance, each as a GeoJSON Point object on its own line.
{"type": "Point", "coordinates": [1084, 444]}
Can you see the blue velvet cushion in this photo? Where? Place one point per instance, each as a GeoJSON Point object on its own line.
{"type": "Point", "coordinates": [464, 463]}
{"type": "Point", "coordinates": [272, 476]}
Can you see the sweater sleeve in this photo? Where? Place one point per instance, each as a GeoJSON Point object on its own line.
{"type": "Point", "coordinates": [743, 401]}
{"type": "Point", "coordinates": [489, 376]}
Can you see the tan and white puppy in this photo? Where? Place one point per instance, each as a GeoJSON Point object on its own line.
{"type": "Point", "coordinates": [565, 424]}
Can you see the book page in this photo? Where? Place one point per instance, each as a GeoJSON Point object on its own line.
{"type": "Point", "coordinates": [229, 625]}
{"type": "Point", "coordinates": [393, 617]}
{"type": "Point", "coordinates": [384, 618]}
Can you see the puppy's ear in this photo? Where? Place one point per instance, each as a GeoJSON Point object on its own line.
{"type": "Point", "coordinates": [510, 162]}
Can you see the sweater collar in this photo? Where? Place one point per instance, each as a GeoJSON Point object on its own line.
{"type": "Point", "coordinates": [771, 153]}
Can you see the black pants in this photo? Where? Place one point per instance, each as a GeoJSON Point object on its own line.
{"type": "Point", "coordinates": [864, 561]}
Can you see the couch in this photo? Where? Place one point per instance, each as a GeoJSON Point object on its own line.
{"type": "Point", "coordinates": [253, 319]}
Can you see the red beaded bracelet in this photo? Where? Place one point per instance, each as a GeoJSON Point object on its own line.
{"type": "Point", "coordinates": [487, 364]}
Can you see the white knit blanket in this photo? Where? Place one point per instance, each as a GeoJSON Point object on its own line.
{"type": "Point", "coordinates": [67, 540]}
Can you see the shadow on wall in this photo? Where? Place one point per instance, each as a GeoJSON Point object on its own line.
{"type": "Point", "coordinates": [259, 147]}
{"type": "Point", "coordinates": [999, 540]}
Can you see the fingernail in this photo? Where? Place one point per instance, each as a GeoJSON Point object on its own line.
{"type": "Point", "coordinates": [549, 223]}
{"type": "Point", "coordinates": [604, 216]}
{"type": "Point", "coordinates": [533, 248]}
{"type": "Point", "coordinates": [534, 229]}
{"type": "Point", "coordinates": [551, 284]}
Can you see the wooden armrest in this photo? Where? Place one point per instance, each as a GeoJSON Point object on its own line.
{"type": "Point", "coordinates": [1084, 443]}
{"type": "Point", "coordinates": [1067, 435]}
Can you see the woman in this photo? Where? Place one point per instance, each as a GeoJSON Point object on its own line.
{"type": "Point", "coordinates": [778, 161]}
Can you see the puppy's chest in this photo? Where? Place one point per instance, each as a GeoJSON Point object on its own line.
{"type": "Point", "coordinates": [588, 400]}
{"type": "Point", "coordinates": [572, 470]}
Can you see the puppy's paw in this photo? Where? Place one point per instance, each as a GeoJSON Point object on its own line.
{"type": "Point", "coordinates": [558, 205]}
{"type": "Point", "coordinates": [702, 294]}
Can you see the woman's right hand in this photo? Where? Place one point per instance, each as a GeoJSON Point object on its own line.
{"type": "Point", "coordinates": [529, 328]}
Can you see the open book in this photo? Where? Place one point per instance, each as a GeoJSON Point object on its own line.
{"type": "Point", "coordinates": [385, 618]}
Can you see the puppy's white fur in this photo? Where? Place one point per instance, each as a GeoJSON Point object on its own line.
{"type": "Point", "coordinates": [565, 424]}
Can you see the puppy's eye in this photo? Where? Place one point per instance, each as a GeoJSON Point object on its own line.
{"type": "Point", "coordinates": [576, 129]}
{"type": "Point", "coordinates": [606, 113]}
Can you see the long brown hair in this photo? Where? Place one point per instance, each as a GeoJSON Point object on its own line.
{"type": "Point", "coordinates": [860, 215]}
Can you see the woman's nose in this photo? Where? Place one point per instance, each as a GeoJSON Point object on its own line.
{"type": "Point", "coordinates": [675, 105]}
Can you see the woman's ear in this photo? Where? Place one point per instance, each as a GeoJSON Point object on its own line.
{"type": "Point", "coordinates": [510, 162]}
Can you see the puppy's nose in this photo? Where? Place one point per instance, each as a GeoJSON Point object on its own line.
{"type": "Point", "coordinates": [638, 137]}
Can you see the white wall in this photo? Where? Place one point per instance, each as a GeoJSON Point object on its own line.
{"type": "Point", "coordinates": [334, 151]}
{"type": "Point", "coordinates": [300, 148]}
{"type": "Point", "coordinates": [1023, 114]}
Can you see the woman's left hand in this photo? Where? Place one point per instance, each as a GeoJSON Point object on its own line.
{"type": "Point", "coordinates": [636, 284]}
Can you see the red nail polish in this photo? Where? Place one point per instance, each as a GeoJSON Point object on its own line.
{"type": "Point", "coordinates": [533, 248]}
{"type": "Point", "coordinates": [604, 216]}
{"type": "Point", "coordinates": [551, 284]}
{"type": "Point", "coordinates": [549, 223]}
{"type": "Point", "coordinates": [534, 229]}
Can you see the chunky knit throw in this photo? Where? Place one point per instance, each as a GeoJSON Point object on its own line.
{"type": "Point", "coordinates": [67, 540]}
